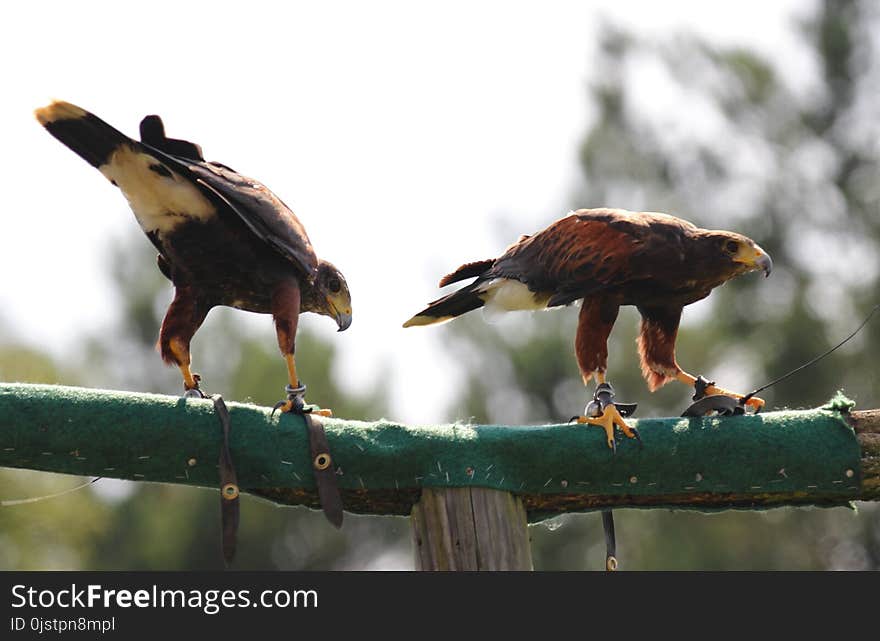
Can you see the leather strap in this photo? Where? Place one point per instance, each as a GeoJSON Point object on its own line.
{"type": "Point", "coordinates": [701, 384]}
{"type": "Point", "coordinates": [719, 404]}
{"type": "Point", "coordinates": [324, 470]}
{"type": "Point", "coordinates": [610, 541]}
{"type": "Point", "coordinates": [229, 493]}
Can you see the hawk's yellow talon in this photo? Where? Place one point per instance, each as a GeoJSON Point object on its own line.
{"type": "Point", "coordinates": [754, 402]}
{"type": "Point", "coordinates": [289, 406]}
{"type": "Point", "coordinates": [610, 417]}
{"type": "Point", "coordinates": [284, 406]}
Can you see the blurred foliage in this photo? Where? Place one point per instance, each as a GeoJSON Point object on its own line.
{"type": "Point", "coordinates": [717, 136]}
{"type": "Point", "coordinates": [720, 137]}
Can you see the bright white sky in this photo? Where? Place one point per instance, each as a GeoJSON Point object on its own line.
{"type": "Point", "coordinates": [399, 132]}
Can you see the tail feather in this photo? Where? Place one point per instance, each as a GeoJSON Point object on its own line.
{"type": "Point", "coordinates": [468, 270]}
{"type": "Point", "coordinates": [448, 307]}
{"type": "Point", "coordinates": [84, 133]}
{"type": "Point", "coordinates": [153, 134]}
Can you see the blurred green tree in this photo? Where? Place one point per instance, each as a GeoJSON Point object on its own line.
{"type": "Point", "coordinates": [722, 138]}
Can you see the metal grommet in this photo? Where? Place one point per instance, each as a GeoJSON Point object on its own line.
{"type": "Point", "coordinates": [229, 491]}
{"type": "Point", "coordinates": [611, 564]}
{"type": "Point", "coordinates": [593, 410]}
{"type": "Point", "coordinates": [322, 461]}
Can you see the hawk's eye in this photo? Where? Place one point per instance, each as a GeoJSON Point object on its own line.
{"type": "Point", "coordinates": [334, 285]}
{"type": "Point", "coordinates": [731, 247]}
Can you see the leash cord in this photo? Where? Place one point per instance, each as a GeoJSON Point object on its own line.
{"type": "Point", "coordinates": [745, 398]}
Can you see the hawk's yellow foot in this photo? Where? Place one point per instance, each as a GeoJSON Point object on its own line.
{"type": "Point", "coordinates": [708, 388]}
{"type": "Point", "coordinates": [295, 402]}
{"type": "Point", "coordinates": [610, 418]}
{"type": "Point", "coordinates": [296, 393]}
{"type": "Point", "coordinates": [284, 406]}
{"type": "Point", "coordinates": [191, 384]}
{"type": "Point", "coordinates": [291, 406]}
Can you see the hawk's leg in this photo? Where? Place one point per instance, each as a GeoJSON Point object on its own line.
{"type": "Point", "coordinates": [285, 311]}
{"type": "Point", "coordinates": [604, 413]}
{"type": "Point", "coordinates": [184, 317]}
{"type": "Point", "coordinates": [657, 351]}
{"type": "Point", "coordinates": [710, 389]}
{"type": "Point", "coordinates": [595, 321]}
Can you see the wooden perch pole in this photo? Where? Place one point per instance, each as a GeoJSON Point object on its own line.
{"type": "Point", "coordinates": [866, 424]}
{"type": "Point", "coordinates": [470, 528]}
{"type": "Point", "coordinates": [470, 489]}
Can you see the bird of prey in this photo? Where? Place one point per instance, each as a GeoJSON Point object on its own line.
{"type": "Point", "coordinates": [607, 258]}
{"type": "Point", "coordinates": [223, 238]}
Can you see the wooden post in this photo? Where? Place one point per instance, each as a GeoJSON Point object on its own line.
{"type": "Point", "coordinates": [470, 528]}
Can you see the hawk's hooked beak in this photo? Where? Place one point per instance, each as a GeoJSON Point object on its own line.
{"type": "Point", "coordinates": [765, 263]}
{"type": "Point", "coordinates": [339, 309]}
{"type": "Point", "coordinates": [756, 258]}
{"type": "Point", "coordinates": [343, 320]}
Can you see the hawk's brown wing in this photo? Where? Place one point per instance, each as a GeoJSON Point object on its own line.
{"type": "Point", "coordinates": [592, 251]}
{"type": "Point", "coordinates": [258, 208]}
{"type": "Point", "coordinates": [261, 210]}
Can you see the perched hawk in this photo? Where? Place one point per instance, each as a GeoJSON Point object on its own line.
{"type": "Point", "coordinates": [223, 238]}
{"type": "Point", "coordinates": [608, 258]}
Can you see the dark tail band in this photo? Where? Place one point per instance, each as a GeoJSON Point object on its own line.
{"type": "Point", "coordinates": [443, 309]}
{"type": "Point", "coordinates": [86, 134]}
